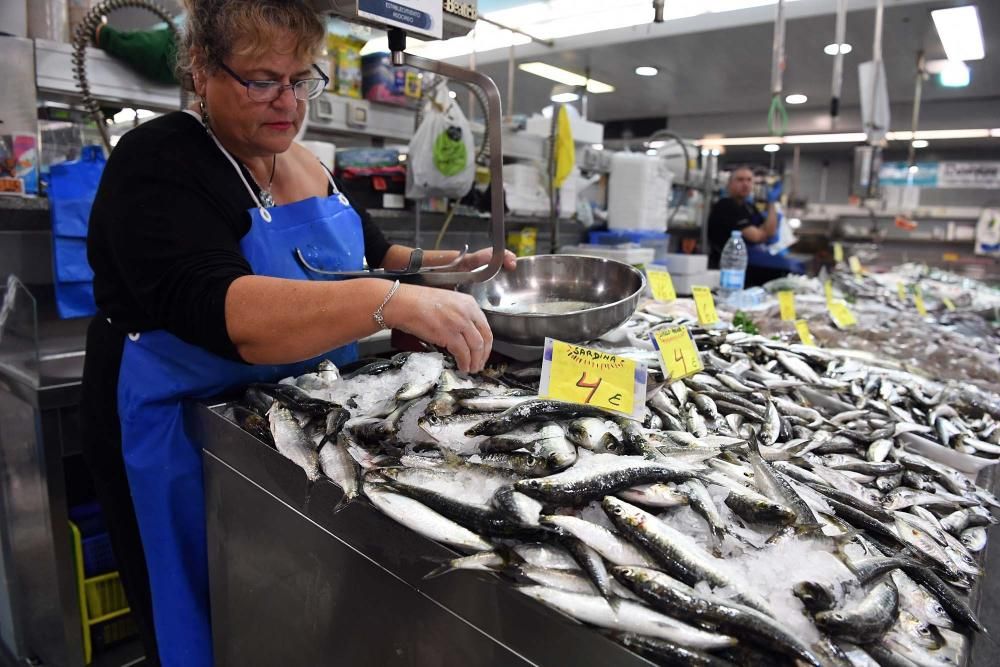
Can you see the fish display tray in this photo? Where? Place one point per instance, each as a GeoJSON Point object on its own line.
{"type": "Point", "coordinates": [294, 584]}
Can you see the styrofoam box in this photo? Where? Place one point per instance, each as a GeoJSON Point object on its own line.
{"type": "Point", "coordinates": [681, 263]}
{"type": "Point", "coordinates": [685, 281]}
{"type": "Point", "coordinates": [633, 256]}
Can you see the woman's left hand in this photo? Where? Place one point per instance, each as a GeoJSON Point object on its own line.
{"type": "Point", "coordinates": [474, 260]}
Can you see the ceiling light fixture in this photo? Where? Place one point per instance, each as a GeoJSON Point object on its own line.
{"type": "Point", "coordinates": [771, 148]}
{"type": "Point", "coordinates": [565, 98]}
{"type": "Point", "coordinates": [646, 71]}
{"type": "Point", "coordinates": [913, 169]}
{"type": "Point", "coordinates": [565, 76]}
{"type": "Point", "coordinates": [713, 141]}
{"type": "Point", "coordinates": [651, 151]}
{"type": "Point", "coordinates": [597, 147]}
{"type": "Point", "coordinates": [796, 98]}
{"type": "Point", "coordinates": [832, 49]}
{"type": "Point", "coordinates": [960, 31]}
{"type": "Point", "coordinates": [954, 75]}
{"type": "Point", "coordinates": [919, 143]}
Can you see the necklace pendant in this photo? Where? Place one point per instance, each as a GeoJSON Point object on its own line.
{"type": "Point", "coordinates": [266, 199]}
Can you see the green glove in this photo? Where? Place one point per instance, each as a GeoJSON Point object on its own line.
{"type": "Point", "coordinates": [450, 155]}
{"type": "Point", "coordinates": [152, 53]}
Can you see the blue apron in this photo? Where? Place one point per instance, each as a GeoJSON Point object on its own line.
{"type": "Point", "coordinates": [159, 371]}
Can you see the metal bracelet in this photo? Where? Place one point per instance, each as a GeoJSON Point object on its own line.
{"type": "Point", "coordinates": [377, 315]}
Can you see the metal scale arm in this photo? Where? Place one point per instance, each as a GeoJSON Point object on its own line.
{"type": "Point", "coordinates": [435, 276]}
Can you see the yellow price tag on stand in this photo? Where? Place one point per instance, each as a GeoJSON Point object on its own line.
{"type": "Point", "coordinates": [661, 284]}
{"type": "Point", "coordinates": [786, 301]}
{"type": "Point", "coordinates": [948, 303]}
{"type": "Point", "coordinates": [679, 356]}
{"type": "Point", "coordinates": [577, 374]}
{"type": "Point", "coordinates": [918, 301]}
{"type": "Point", "coordinates": [841, 314]}
{"type": "Point", "coordinates": [838, 253]}
{"type": "Point", "coordinates": [705, 304]}
{"type": "Point", "coordinates": [828, 288]}
{"type": "Point", "coordinates": [804, 334]}
{"type": "Point", "coordinates": [901, 291]}
{"type": "Point", "coordinates": [855, 264]}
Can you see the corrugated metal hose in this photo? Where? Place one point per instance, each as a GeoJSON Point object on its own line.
{"type": "Point", "coordinates": [84, 35]}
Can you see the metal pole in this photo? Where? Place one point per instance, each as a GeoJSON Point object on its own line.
{"type": "Point", "coordinates": [511, 69]}
{"type": "Point", "coordinates": [876, 60]}
{"type": "Point", "coordinates": [794, 190]}
{"type": "Point", "coordinates": [911, 157]}
{"type": "Point", "coordinates": [840, 34]}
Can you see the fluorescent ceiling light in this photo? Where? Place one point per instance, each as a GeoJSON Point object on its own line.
{"type": "Point", "coordinates": [960, 31]}
{"type": "Point", "coordinates": [995, 132]}
{"type": "Point", "coordinates": [565, 76]}
{"type": "Point", "coordinates": [597, 147]}
{"type": "Point", "coordinates": [646, 71]}
{"type": "Point", "coordinates": [651, 151]}
{"type": "Point", "coordinates": [954, 75]}
{"type": "Point", "coordinates": [771, 148]}
{"type": "Point", "coordinates": [832, 138]}
{"type": "Point", "coordinates": [919, 143]}
{"type": "Point", "coordinates": [796, 98]}
{"type": "Point", "coordinates": [831, 49]}
{"type": "Point", "coordinates": [937, 134]}
{"type": "Point", "coordinates": [565, 98]}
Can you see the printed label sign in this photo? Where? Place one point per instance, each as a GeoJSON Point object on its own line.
{"type": "Point", "coordinates": [838, 253]}
{"type": "Point", "coordinates": [855, 264]}
{"type": "Point", "coordinates": [705, 304]}
{"type": "Point", "coordinates": [841, 314]}
{"type": "Point", "coordinates": [421, 16]}
{"type": "Point", "coordinates": [918, 301]}
{"type": "Point", "coordinates": [662, 285]}
{"type": "Point", "coordinates": [805, 335]}
{"type": "Point", "coordinates": [786, 301]}
{"type": "Point", "coordinates": [679, 356]}
{"type": "Point", "coordinates": [577, 374]}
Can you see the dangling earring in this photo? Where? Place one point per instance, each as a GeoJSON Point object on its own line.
{"type": "Point", "coordinates": [204, 113]}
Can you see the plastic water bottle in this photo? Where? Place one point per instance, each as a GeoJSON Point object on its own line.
{"type": "Point", "coordinates": [732, 265]}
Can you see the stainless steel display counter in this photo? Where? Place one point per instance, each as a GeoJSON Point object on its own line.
{"type": "Point", "coordinates": [294, 584]}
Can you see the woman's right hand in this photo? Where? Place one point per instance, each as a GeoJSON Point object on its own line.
{"type": "Point", "coordinates": [444, 318]}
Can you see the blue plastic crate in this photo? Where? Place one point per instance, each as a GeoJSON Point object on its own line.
{"type": "Point", "coordinates": [88, 518]}
{"type": "Point", "coordinates": [98, 556]}
{"type": "Point", "coordinates": [618, 236]}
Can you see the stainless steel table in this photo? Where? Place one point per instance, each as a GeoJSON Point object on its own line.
{"type": "Point", "coordinates": [294, 584]}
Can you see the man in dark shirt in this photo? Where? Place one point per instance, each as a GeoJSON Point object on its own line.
{"type": "Point", "coordinates": [734, 212]}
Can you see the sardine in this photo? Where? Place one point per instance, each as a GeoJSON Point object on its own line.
{"type": "Point", "coordinates": [868, 620]}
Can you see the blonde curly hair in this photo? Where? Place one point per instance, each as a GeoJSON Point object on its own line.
{"type": "Point", "coordinates": [216, 29]}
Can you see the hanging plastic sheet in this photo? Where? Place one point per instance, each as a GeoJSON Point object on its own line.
{"type": "Point", "coordinates": [72, 187]}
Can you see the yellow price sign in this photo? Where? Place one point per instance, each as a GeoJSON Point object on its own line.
{"type": "Point", "coordinates": [661, 284]}
{"type": "Point", "coordinates": [948, 303]}
{"type": "Point", "coordinates": [841, 314]}
{"type": "Point", "coordinates": [950, 257]}
{"type": "Point", "coordinates": [786, 302]}
{"type": "Point", "coordinates": [828, 288]}
{"type": "Point", "coordinates": [705, 304]}
{"type": "Point", "coordinates": [901, 291]}
{"type": "Point", "coordinates": [582, 375]}
{"type": "Point", "coordinates": [855, 264]}
{"type": "Point", "coordinates": [838, 253]}
{"type": "Point", "coordinates": [918, 301]}
{"type": "Point", "coordinates": [805, 335]}
{"type": "Point", "coordinates": [679, 356]}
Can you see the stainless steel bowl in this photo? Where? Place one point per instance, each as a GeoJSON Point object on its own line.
{"type": "Point", "coordinates": [568, 297]}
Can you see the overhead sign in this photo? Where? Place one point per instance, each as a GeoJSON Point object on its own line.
{"type": "Point", "coordinates": [956, 175]}
{"type": "Point", "coordinates": [421, 16]}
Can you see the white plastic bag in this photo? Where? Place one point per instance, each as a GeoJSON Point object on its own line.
{"type": "Point", "coordinates": [988, 232]}
{"type": "Point", "coordinates": [441, 160]}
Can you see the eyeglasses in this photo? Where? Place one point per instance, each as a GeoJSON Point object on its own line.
{"type": "Point", "coordinates": [269, 91]}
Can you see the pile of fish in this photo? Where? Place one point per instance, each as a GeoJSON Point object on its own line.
{"type": "Point", "coordinates": [769, 510]}
{"type": "Point", "coordinates": [958, 345]}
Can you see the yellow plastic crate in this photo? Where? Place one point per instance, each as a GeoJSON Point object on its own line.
{"type": "Point", "coordinates": [102, 599]}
